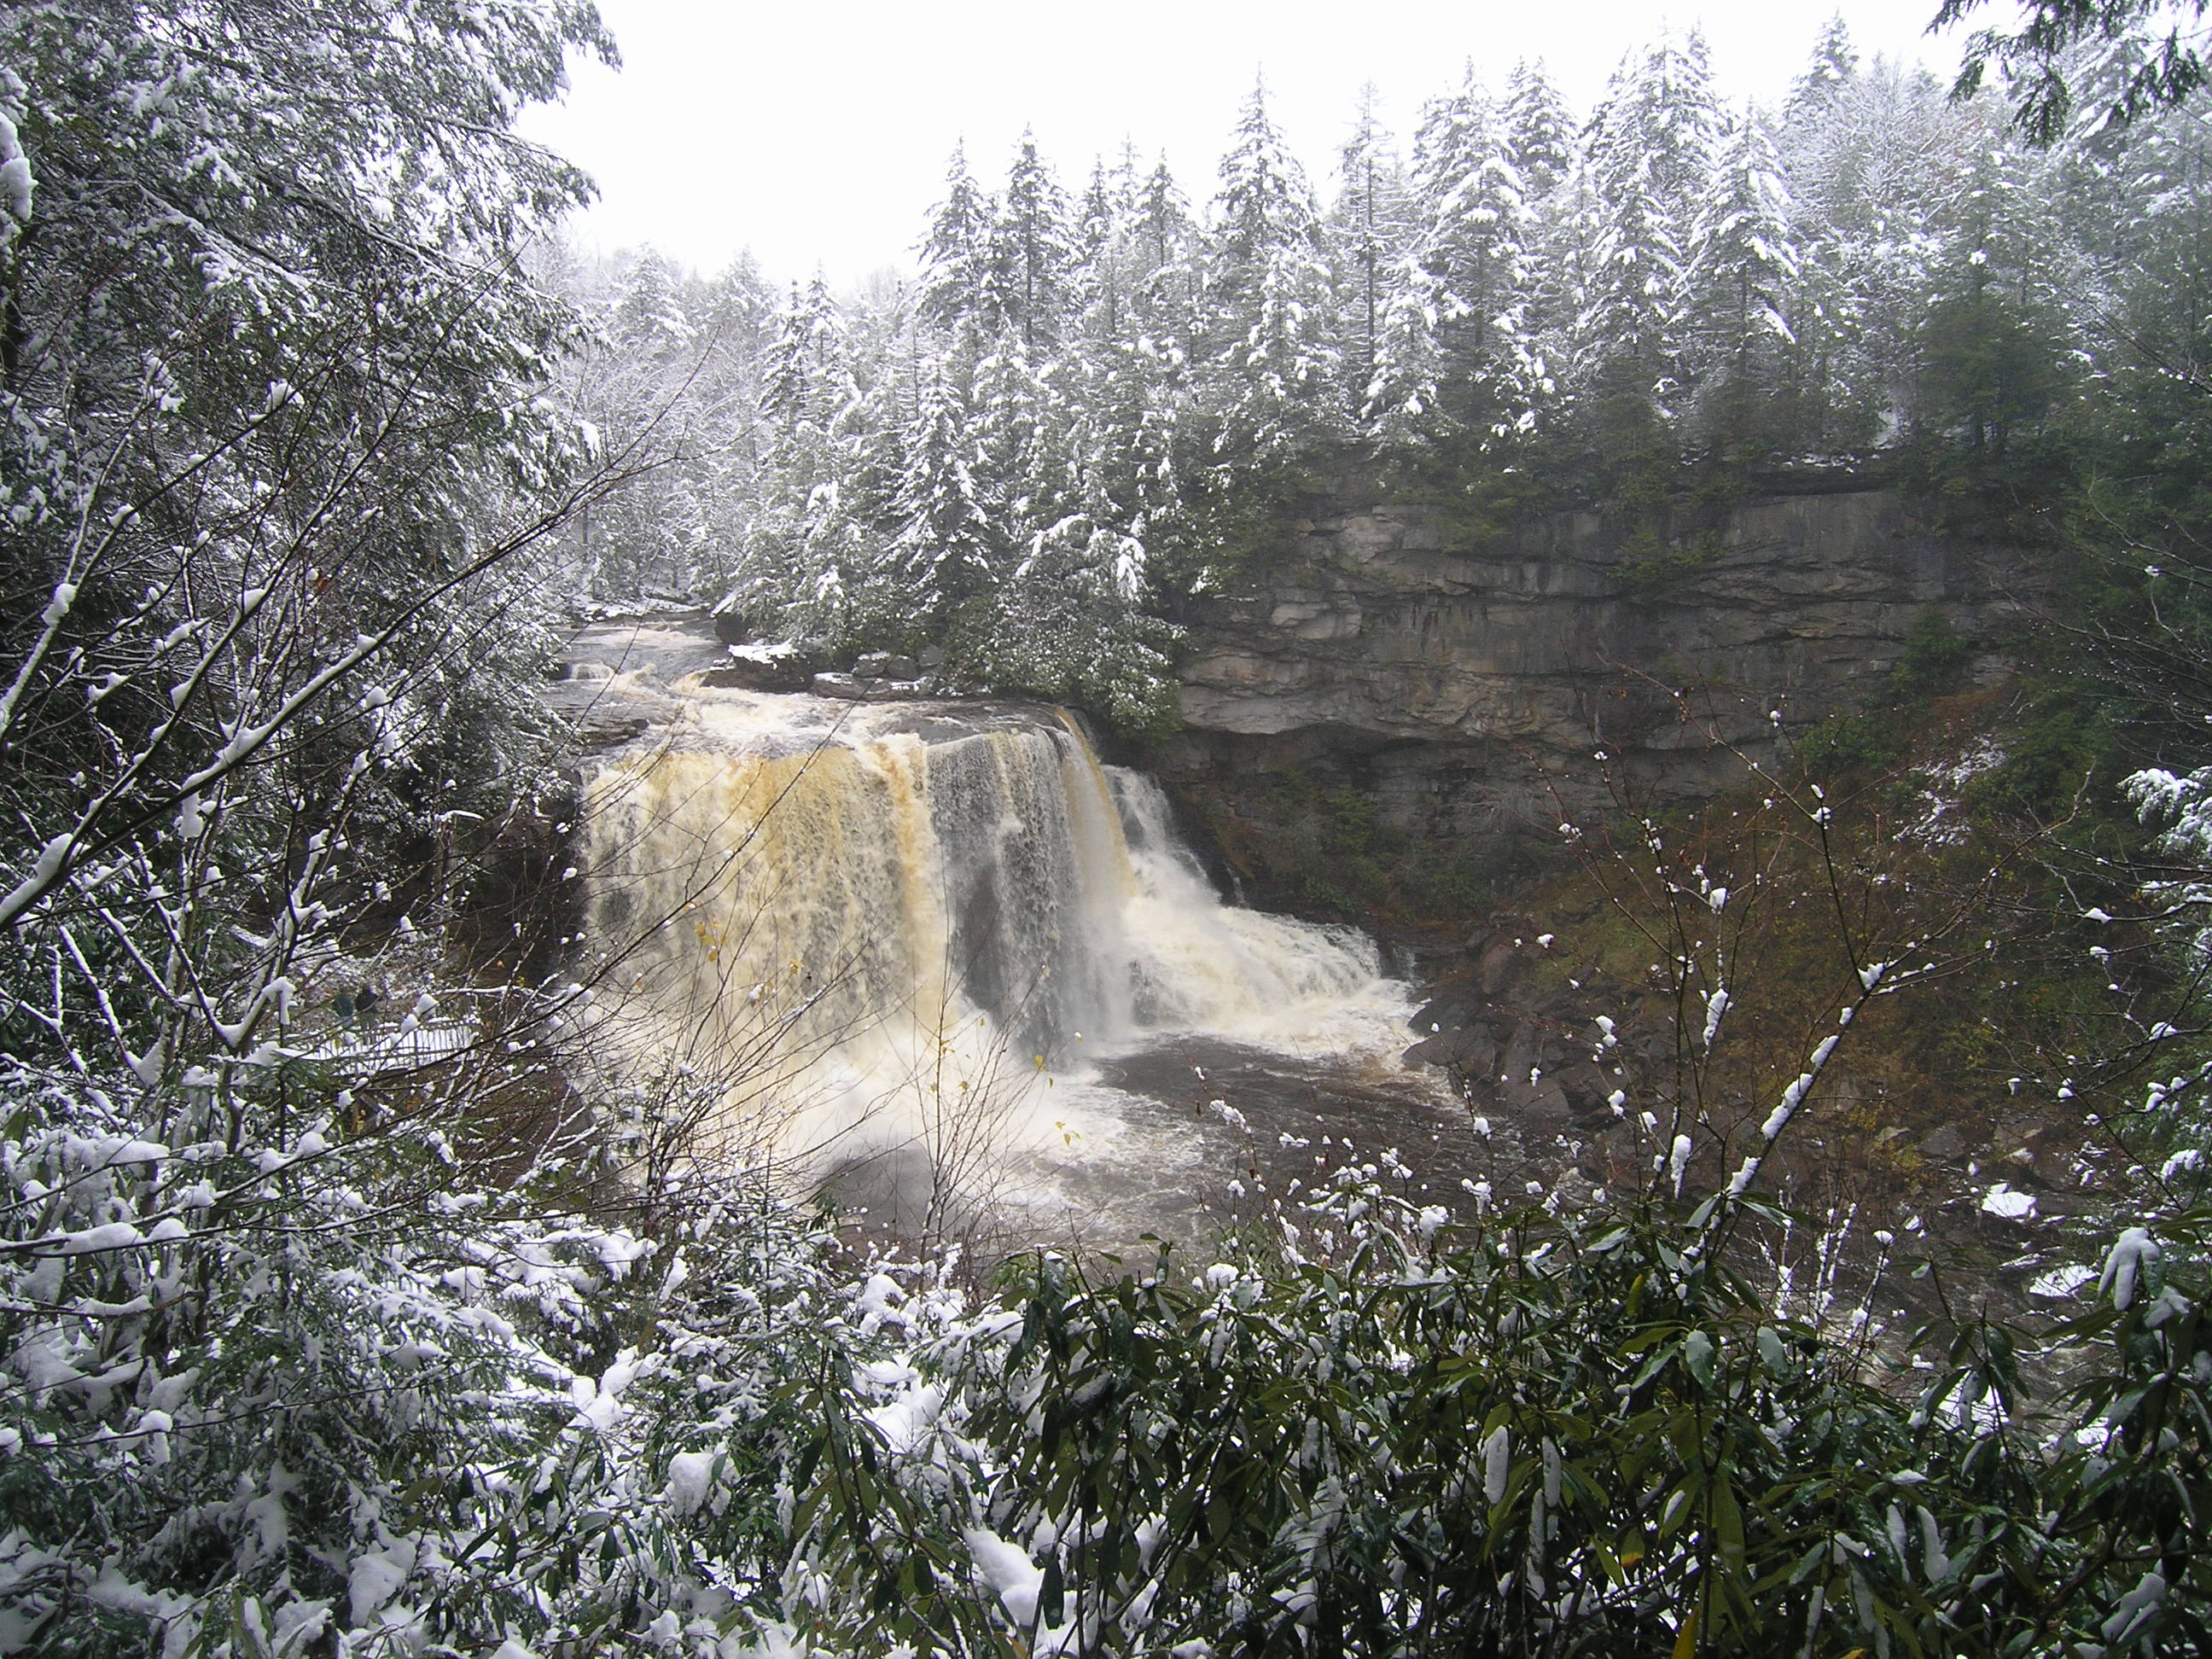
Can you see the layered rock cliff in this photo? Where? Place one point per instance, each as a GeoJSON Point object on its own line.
{"type": "Point", "coordinates": [1418, 700]}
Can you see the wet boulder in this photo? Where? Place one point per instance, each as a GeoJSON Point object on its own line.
{"type": "Point", "coordinates": [1446, 1013]}
{"type": "Point", "coordinates": [1472, 1052]}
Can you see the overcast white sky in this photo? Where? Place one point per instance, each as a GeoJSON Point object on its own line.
{"type": "Point", "coordinates": [818, 135]}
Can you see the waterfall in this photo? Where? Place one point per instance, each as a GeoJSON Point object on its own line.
{"type": "Point", "coordinates": [889, 922]}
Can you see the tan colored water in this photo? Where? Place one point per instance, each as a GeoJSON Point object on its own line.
{"type": "Point", "coordinates": [911, 929]}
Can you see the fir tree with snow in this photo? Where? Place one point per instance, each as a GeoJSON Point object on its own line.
{"type": "Point", "coordinates": [1265, 298]}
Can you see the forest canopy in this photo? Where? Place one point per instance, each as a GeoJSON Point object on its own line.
{"type": "Point", "coordinates": [1100, 396]}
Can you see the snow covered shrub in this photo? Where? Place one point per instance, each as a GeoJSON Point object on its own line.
{"type": "Point", "coordinates": [282, 1388]}
{"type": "Point", "coordinates": [1551, 1435]}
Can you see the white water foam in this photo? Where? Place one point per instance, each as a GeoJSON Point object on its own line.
{"type": "Point", "coordinates": [912, 929]}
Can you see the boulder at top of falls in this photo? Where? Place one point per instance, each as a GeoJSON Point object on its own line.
{"type": "Point", "coordinates": [854, 689]}
{"type": "Point", "coordinates": [883, 665]}
{"type": "Point", "coordinates": [781, 667]}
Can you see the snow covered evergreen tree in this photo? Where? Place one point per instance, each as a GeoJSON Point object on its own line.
{"type": "Point", "coordinates": [1076, 627]}
{"type": "Point", "coordinates": [946, 550]}
{"type": "Point", "coordinates": [1541, 147]}
{"type": "Point", "coordinates": [1538, 133]}
{"type": "Point", "coordinates": [1866, 168]}
{"type": "Point", "coordinates": [1101, 276]}
{"type": "Point", "coordinates": [1033, 255]}
{"type": "Point", "coordinates": [805, 552]}
{"type": "Point", "coordinates": [1164, 246]}
{"type": "Point", "coordinates": [1459, 348]}
{"type": "Point", "coordinates": [1989, 341]}
{"type": "Point", "coordinates": [1269, 358]}
{"type": "Point", "coordinates": [1370, 229]}
{"type": "Point", "coordinates": [1650, 157]}
{"type": "Point", "coordinates": [1833, 65]}
{"type": "Point", "coordinates": [956, 287]}
{"type": "Point", "coordinates": [1743, 267]}
{"type": "Point", "coordinates": [632, 383]}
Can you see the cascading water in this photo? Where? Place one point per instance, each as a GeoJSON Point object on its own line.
{"type": "Point", "coordinates": [908, 925]}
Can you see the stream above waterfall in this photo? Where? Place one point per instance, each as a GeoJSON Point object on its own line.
{"type": "Point", "coordinates": [937, 957]}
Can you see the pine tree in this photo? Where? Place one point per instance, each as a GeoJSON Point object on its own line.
{"type": "Point", "coordinates": [1833, 65]}
{"type": "Point", "coordinates": [1990, 341]}
{"type": "Point", "coordinates": [1098, 282]}
{"type": "Point", "coordinates": [649, 316]}
{"type": "Point", "coordinates": [1370, 230]}
{"type": "Point", "coordinates": [1018, 432]}
{"type": "Point", "coordinates": [1539, 134]}
{"type": "Point", "coordinates": [1076, 627]}
{"type": "Point", "coordinates": [1541, 147]}
{"type": "Point", "coordinates": [643, 363]}
{"type": "Point", "coordinates": [1743, 265]}
{"type": "Point", "coordinates": [1033, 254]}
{"type": "Point", "coordinates": [1269, 362]}
{"type": "Point", "coordinates": [1464, 284]}
{"type": "Point", "coordinates": [1862, 162]}
{"type": "Point", "coordinates": [1651, 160]}
{"type": "Point", "coordinates": [806, 379]}
{"type": "Point", "coordinates": [805, 552]}
{"type": "Point", "coordinates": [957, 284]}
{"type": "Point", "coordinates": [943, 553]}
{"type": "Point", "coordinates": [1163, 245]}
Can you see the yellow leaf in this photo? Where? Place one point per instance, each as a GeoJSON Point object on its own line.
{"type": "Point", "coordinates": [1685, 1644]}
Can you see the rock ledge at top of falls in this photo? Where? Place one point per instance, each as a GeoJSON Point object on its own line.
{"type": "Point", "coordinates": [1464, 689]}
{"type": "Point", "coordinates": [620, 677]}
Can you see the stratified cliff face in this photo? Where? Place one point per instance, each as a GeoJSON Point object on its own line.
{"type": "Point", "coordinates": [1454, 700]}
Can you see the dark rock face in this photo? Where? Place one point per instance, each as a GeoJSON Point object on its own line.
{"type": "Point", "coordinates": [1464, 693]}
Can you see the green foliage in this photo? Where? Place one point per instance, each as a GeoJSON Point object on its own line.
{"type": "Point", "coordinates": [1550, 1435]}
{"type": "Point", "coordinates": [296, 1383]}
{"type": "Point", "coordinates": [1843, 744]}
{"type": "Point", "coordinates": [1655, 565]}
{"type": "Point", "coordinates": [1987, 374]}
{"type": "Point", "coordinates": [2054, 755]}
{"type": "Point", "coordinates": [1328, 843]}
{"type": "Point", "coordinates": [1480, 488]}
{"type": "Point", "coordinates": [1933, 657]}
{"type": "Point", "coordinates": [2041, 61]}
{"type": "Point", "coordinates": [1232, 525]}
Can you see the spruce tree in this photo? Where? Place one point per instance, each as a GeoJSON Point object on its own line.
{"type": "Point", "coordinates": [943, 551]}
{"type": "Point", "coordinates": [799, 569]}
{"type": "Point", "coordinates": [1651, 162]}
{"type": "Point", "coordinates": [1990, 340]}
{"type": "Point", "coordinates": [1540, 134]}
{"type": "Point", "coordinates": [1033, 254]}
{"type": "Point", "coordinates": [1268, 360]}
{"type": "Point", "coordinates": [1164, 264]}
{"type": "Point", "coordinates": [1467, 277]}
{"type": "Point", "coordinates": [956, 287]}
{"type": "Point", "coordinates": [1743, 265]}
{"type": "Point", "coordinates": [1370, 232]}
{"type": "Point", "coordinates": [1542, 148]}
{"type": "Point", "coordinates": [1834, 64]}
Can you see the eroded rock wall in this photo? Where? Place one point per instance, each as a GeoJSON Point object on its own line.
{"type": "Point", "coordinates": [1445, 702]}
